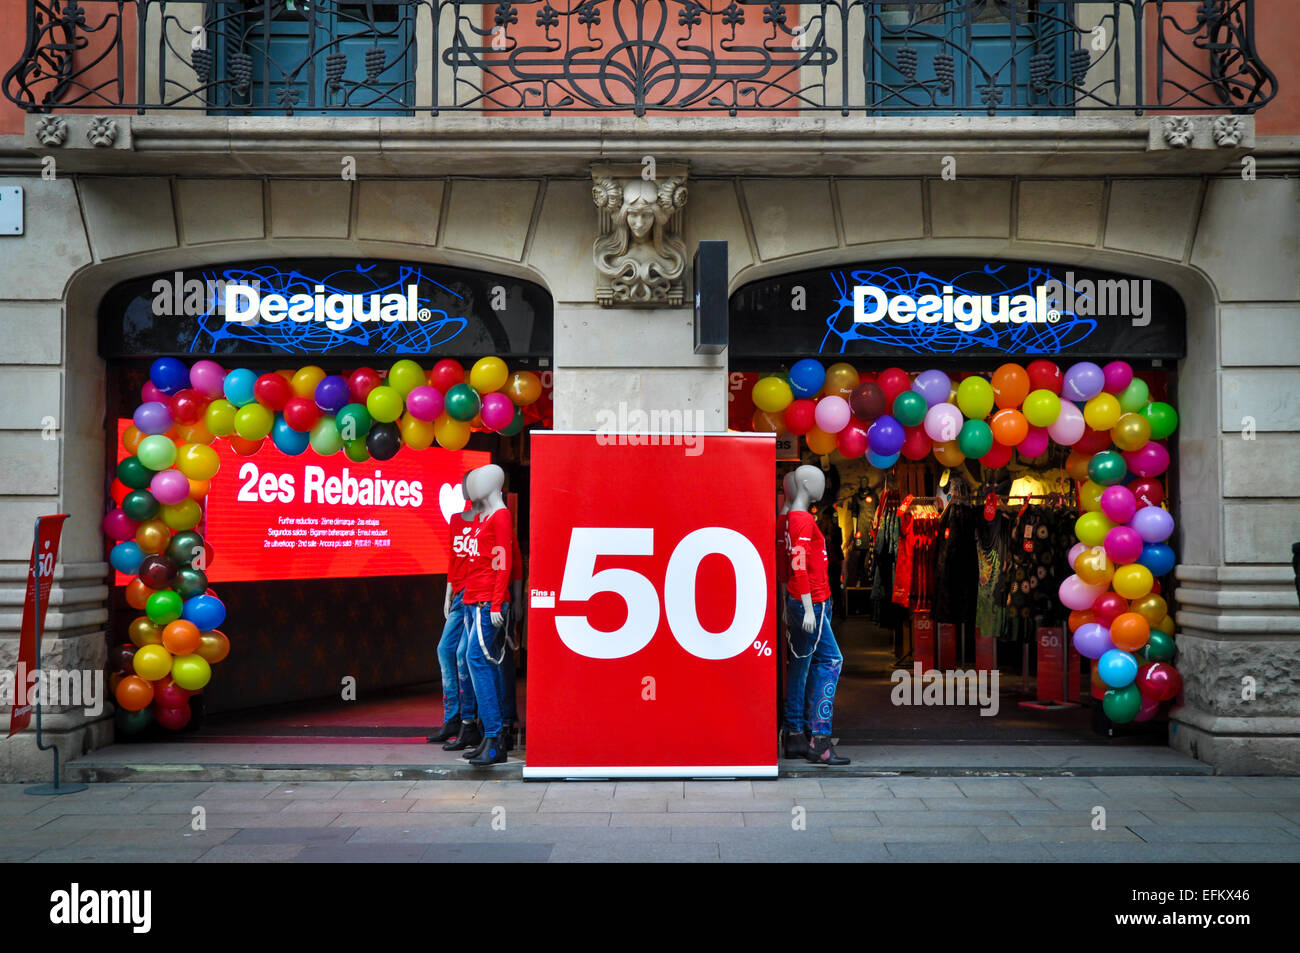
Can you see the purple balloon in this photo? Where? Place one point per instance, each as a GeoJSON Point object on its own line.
{"type": "Point", "coordinates": [152, 418]}
{"type": "Point", "coordinates": [1148, 461]}
{"type": "Point", "coordinates": [886, 436]}
{"type": "Point", "coordinates": [934, 386]}
{"type": "Point", "coordinates": [1152, 523]}
{"type": "Point", "coordinates": [1123, 545]}
{"type": "Point", "coordinates": [169, 486]}
{"type": "Point", "coordinates": [1092, 640]}
{"type": "Point", "coordinates": [1118, 376]}
{"type": "Point", "coordinates": [1083, 381]}
{"type": "Point", "coordinates": [332, 394]}
{"type": "Point", "coordinates": [943, 422]}
{"type": "Point", "coordinates": [424, 403]}
{"type": "Point", "coordinates": [1118, 504]}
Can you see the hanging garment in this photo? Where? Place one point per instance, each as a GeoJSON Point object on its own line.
{"type": "Point", "coordinates": [990, 552]}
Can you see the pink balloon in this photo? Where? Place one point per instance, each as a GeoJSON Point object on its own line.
{"type": "Point", "coordinates": [1035, 445]}
{"type": "Point", "coordinates": [119, 526]}
{"type": "Point", "coordinates": [852, 440]}
{"type": "Point", "coordinates": [1068, 428]}
{"type": "Point", "coordinates": [169, 486]}
{"type": "Point", "coordinates": [1118, 376]}
{"type": "Point", "coordinates": [1148, 710]}
{"type": "Point", "coordinates": [208, 378]}
{"type": "Point", "coordinates": [425, 403]}
{"type": "Point", "coordinates": [173, 719]}
{"type": "Point", "coordinates": [149, 394]}
{"type": "Point", "coordinates": [1123, 545]}
{"type": "Point", "coordinates": [1118, 504]}
{"type": "Point", "coordinates": [498, 410]}
{"type": "Point", "coordinates": [943, 422]}
{"type": "Point", "coordinates": [1075, 551]}
{"type": "Point", "coordinates": [1077, 594]}
{"type": "Point", "coordinates": [1148, 461]}
{"type": "Point", "coordinates": [832, 413]}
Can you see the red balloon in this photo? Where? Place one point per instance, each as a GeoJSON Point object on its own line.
{"type": "Point", "coordinates": [916, 445]}
{"type": "Point", "coordinates": [272, 391]}
{"type": "Point", "coordinates": [867, 401]}
{"type": "Point", "coordinates": [1044, 375]}
{"type": "Point", "coordinates": [1148, 492]}
{"type": "Point", "coordinates": [173, 719]}
{"type": "Point", "coordinates": [893, 381]}
{"type": "Point", "coordinates": [167, 694]}
{"type": "Point", "coordinates": [800, 416]}
{"type": "Point", "coordinates": [852, 440]}
{"type": "Point", "coordinates": [1159, 681]}
{"type": "Point", "coordinates": [1108, 607]}
{"type": "Point", "coordinates": [361, 382]}
{"type": "Point", "coordinates": [301, 413]}
{"type": "Point", "coordinates": [447, 374]}
{"type": "Point", "coordinates": [187, 406]}
{"type": "Point", "coordinates": [245, 448]}
{"type": "Point", "coordinates": [997, 458]}
{"type": "Point", "coordinates": [1092, 441]}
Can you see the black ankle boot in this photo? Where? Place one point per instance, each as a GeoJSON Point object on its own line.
{"type": "Point", "coordinates": [475, 751]}
{"type": "Point", "coordinates": [508, 738]}
{"type": "Point", "coordinates": [821, 751]}
{"type": "Point", "coordinates": [795, 743]}
{"type": "Point", "coordinates": [448, 731]}
{"type": "Point", "coordinates": [492, 753]}
{"type": "Point", "coordinates": [470, 735]}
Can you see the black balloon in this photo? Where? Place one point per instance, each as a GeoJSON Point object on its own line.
{"type": "Point", "coordinates": [383, 441]}
{"type": "Point", "coordinates": [867, 401]}
{"type": "Point", "coordinates": [156, 571]}
{"type": "Point", "coordinates": [120, 658]}
{"type": "Point", "coordinates": [184, 546]}
{"type": "Point", "coordinates": [189, 582]}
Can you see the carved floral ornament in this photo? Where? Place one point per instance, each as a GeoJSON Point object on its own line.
{"type": "Point", "coordinates": [639, 253]}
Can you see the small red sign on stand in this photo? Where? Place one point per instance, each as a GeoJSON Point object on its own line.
{"type": "Point", "coordinates": [923, 648]}
{"type": "Point", "coordinates": [40, 579]}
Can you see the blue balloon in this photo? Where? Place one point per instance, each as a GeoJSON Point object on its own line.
{"type": "Point", "coordinates": [208, 612]}
{"type": "Point", "coordinates": [239, 386]}
{"type": "Point", "coordinates": [126, 557]}
{"type": "Point", "coordinates": [807, 377]}
{"type": "Point", "coordinates": [169, 375]}
{"type": "Point", "coordinates": [879, 462]}
{"type": "Point", "coordinates": [886, 436]}
{"type": "Point", "coordinates": [1117, 668]}
{"type": "Point", "coordinates": [1159, 558]}
{"type": "Point", "coordinates": [288, 440]}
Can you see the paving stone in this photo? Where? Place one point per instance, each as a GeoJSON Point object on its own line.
{"type": "Point", "coordinates": [361, 853]}
{"type": "Point", "coordinates": [1043, 834]}
{"type": "Point", "coordinates": [530, 821]}
{"type": "Point", "coordinates": [993, 788]}
{"type": "Point", "coordinates": [620, 805]}
{"type": "Point", "coordinates": [748, 835]}
{"type": "Point", "coordinates": [407, 819]}
{"type": "Point", "coordinates": [487, 853]}
{"type": "Point", "coordinates": [597, 836]}
{"type": "Point", "coordinates": [166, 790]}
{"type": "Point", "coordinates": [695, 804]}
{"type": "Point", "coordinates": [944, 818]}
{"type": "Point", "coordinates": [1118, 802]}
{"type": "Point", "coordinates": [11, 854]}
{"type": "Point", "coordinates": [986, 803]}
{"type": "Point", "coordinates": [643, 789]}
{"type": "Point", "coordinates": [1236, 834]}
{"type": "Point", "coordinates": [240, 790]}
{"type": "Point", "coordinates": [1258, 853]}
{"type": "Point", "coordinates": [855, 787]}
{"type": "Point", "coordinates": [900, 835]}
{"type": "Point", "coordinates": [727, 789]}
{"type": "Point", "coordinates": [924, 787]}
{"type": "Point", "coordinates": [820, 852]}
{"type": "Point", "coordinates": [1133, 853]}
{"type": "Point", "coordinates": [707, 819]}
{"type": "Point", "coordinates": [221, 805]}
{"type": "Point", "coordinates": [376, 789]}
{"type": "Point", "coordinates": [251, 853]}
{"type": "Point", "coordinates": [579, 790]}
{"type": "Point", "coordinates": [118, 854]}
{"type": "Point", "coordinates": [309, 789]}
{"type": "Point", "coordinates": [241, 821]}
{"type": "Point", "coordinates": [434, 789]}
{"type": "Point", "coordinates": [93, 822]}
{"type": "Point", "coordinates": [968, 853]}
{"type": "Point", "coordinates": [152, 838]}
{"type": "Point", "coordinates": [61, 808]}
{"type": "Point", "coordinates": [1269, 787]}
{"type": "Point", "coordinates": [348, 805]}
{"type": "Point", "coordinates": [1077, 818]}
{"type": "Point", "coordinates": [1198, 819]}
{"type": "Point", "coordinates": [813, 820]}
{"type": "Point", "coordinates": [635, 853]}
{"type": "Point", "coordinates": [835, 805]}
{"type": "Point", "coordinates": [15, 808]}
{"type": "Point", "coordinates": [781, 787]}
{"type": "Point", "coordinates": [293, 835]}
{"type": "Point", "coordinates": [1244, 802]}
{"type": "Point", "coordinates": [466, 803]}
{"type": "Point", "coordinates": [15, 823]}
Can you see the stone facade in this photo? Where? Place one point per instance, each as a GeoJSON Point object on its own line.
{"type": "Point", "coordinates": [1229, 246]}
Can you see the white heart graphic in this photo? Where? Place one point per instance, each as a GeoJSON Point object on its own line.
{"type": "Point", "coordinates": [450, 500]}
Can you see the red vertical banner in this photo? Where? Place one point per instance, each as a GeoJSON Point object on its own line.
{"type": "Point", "coordinates": [923, 639]}
{"type": "Point", "coordinates": [652, 643]}
{"type": "Point", "coordinates": [1051, 665]}
{"type": "Point", "coordinates": [40, 578]}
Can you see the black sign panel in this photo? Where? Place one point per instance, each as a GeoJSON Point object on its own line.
{"type": "Point", "coordinates": [326, 307]}
{"type": "Point", "coordinates": [954, 309]}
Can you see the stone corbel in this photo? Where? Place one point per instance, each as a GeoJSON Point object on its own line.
{"type": "Point", "coordinates": [639, 252]}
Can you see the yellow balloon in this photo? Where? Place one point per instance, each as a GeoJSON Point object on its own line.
{"type": "Point", "coordinates": [152, 662]}
{"type": "Point", "coordinates": [1166, 625]}
{"type": "Point", "coordinates": [198, 462]}
{"type": "Point", "coordinates": [405, 376]}
{"type": "Point", "coordinates": [949, 454]}
{"type": "Point", "coordinates": [772, 394]}
{"type": "Point", "coordinates": [416, 434]}
{"type": "Point", "coordinates": [1151, 607]}
{"type": "Point", "coordinates": [152, 536]}
{"type": "Point", "coordinates": [488, 375]}
{"type": "Point", "coordinates": [1102, 412]}
{"type": "Point", "coordinates": [1093, 566]}
{"type": "Point", "coordinates": [220, 417]}
{"type": "Point", "coordinates": [304, 382]}
{"type": "Point", "coordinates": [523, 388]}
{"type": "Point", "coordinates": [819, 441]}
{"type": "Point", "coordinates": [1131, 432]}
{"type": "Point", "coordinates": [253, 421]}
{"type": "Point", "coordinates": [451, 433]}
{"type": "Point", "coordinates": [1132, 581]}
{"type": "Point", "coordinates": [183, 515]}
{"type": "Point", "coordinates": [841, 379]}
{"type": "Point", "coordinates": [1090, 496]}
{"type": "Point", "coordinates": [1091, 529]}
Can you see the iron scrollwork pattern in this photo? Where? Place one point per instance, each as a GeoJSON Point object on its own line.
{"type": "Point", "coordinates": [724, 57]}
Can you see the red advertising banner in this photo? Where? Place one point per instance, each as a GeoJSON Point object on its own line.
{"type": "Point", "coordinates": [273, 516]}
{"type": "Point", "coordinates": [923, 647]}
{"type": "Point", "coordinates": [40, 572]}
{"type": "Point", "coordinates": [652, 649]}
{"type": "Point", "coordinates": [1051, 661]}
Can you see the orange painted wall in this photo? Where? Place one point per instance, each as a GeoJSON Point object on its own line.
{"type": "Point", "coordinates": [1277, 27]}
{"type": "Point", "coordinates": [13, 31]}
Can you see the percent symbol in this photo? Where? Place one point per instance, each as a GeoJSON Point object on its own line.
{"type": "Point", "coordinates": [762, 648]}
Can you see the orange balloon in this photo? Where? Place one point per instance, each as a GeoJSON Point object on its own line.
{"type": "Point", "coordinates": [1081, 617]}
{"type": "Point", "coordinates": [181, 637]}
{"type": "Point", "coordinates": [819, 441]}
{"type": "Point", "coordinates": [199, 489]}
{"type": "Point", "coordinates": [213, 646]}
{"type": "Point", "coordinates": [1076, 464]}
{"type": "Point", "coordinates": [949, 454]}
{"type": "Point", "coordinates": [1094, 566]}
{"type": "Point", "coordinates": [137, 594]}
{"type": "Point", "coordinates": [523, 387]}
{"type": "Point", "coordinates": [197, 433]}
{"type": "Point", "coordinates": [764, 422]}
{"type": "Point", "coordinates": [1010, 386]}
{"type": "Point", "coordinates": [1129, 631]}
{"type": "Point", "coordinates": [153, 536]}
{"type": "Point", "coordinates": [133, 693]}
{"type": "Point", "coordinates": [245, 448]}
{"type": "Point", "coordinates": [1009, 427]}
{"type": "Point", "coordinates": [131, 439]}
{"type": "Point", "coordinates": [144, 631]}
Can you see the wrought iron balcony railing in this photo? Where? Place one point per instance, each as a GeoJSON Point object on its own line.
{"type": "Point", "coordinates": [332, 57]}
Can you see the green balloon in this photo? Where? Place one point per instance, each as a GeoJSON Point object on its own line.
{"type": "Point", "coordinates": [1159, 648]}
{"type": "Point", "coordinates": [184, 547]}
{"type": "Point", "coordinates": [163, 606]}
{"type": "Point", "coordinates": [1107, 468]}
{"type": "Point", "coordinates": [462, 402]}
{"type": "Point", "coordinates": [353, 422]}
{"type": "Point", "coordinates": [1122, 705]}
{"type": "Point", "coordinates": [975, 439]}
{"type": "Point", "coordinates": [975, 399]}
{"type": "Point", "coordinates": [1163, 419]}
{"type": "Point", "coordinates": [1135, 396]}
{"type": "Point", "coordinates": [134, 473]}
{"type": "Point", "coordinates": [516, 425]}
{"type": "Point", "coordinates": [355, 450]}
{"type": "Point", "coordinates": [189, 583]}
{"type": "Point", "coordinates": [157, 452]}
{"type": "Point", "coordinates": [140, 505]}
{"type": "Point", "coordinates": [910, 408]}
{"type": "Point", "coordinates": [325, 437]}
{"type": "Point", "coordinates": [132, 722]}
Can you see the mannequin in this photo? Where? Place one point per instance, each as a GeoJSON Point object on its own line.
{"type": "Point", "coordinates": [460, 728]}
{"type": "Point", "coordinates": [815, 659]}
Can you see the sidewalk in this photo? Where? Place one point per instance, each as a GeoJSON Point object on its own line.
{"type": "Point", "coordinates": [960, 819]}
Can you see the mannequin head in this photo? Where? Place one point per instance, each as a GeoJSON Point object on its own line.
{"type": "Point", "coordinates": [810, 486]}
{"type": "Point", "coordinates": [483, 487]}
{"type": "Point", "coordinates": [472, 510]}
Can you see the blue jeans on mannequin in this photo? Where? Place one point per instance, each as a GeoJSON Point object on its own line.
{"type": "Point", "coordinates": [485, 652]}
{"type": "Point", "coordinates": [457, 692]}
{"type": "Point", "coordinates": [814, 670]}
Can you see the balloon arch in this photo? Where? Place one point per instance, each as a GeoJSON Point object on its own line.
{"type": "Point", "coordinates": [1116, 435]}
{"type": "Point", "coordinates": [160, 486]}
